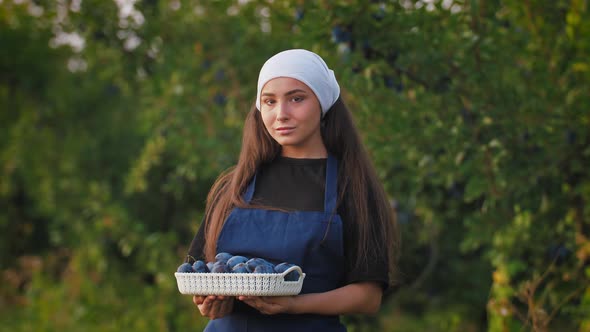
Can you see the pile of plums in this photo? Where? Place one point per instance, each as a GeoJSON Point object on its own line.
{"type": "Point", "coordinates": [228, 263]}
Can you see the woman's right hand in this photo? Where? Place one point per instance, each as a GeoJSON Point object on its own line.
{"type": "Point", "coordinates": [214, 306]}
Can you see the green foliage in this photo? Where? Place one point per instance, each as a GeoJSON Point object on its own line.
{"type": "Point", "coordinates": [475, 113]}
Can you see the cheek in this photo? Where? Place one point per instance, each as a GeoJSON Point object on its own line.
{"type": "Point", "coordinates": [313, 117]}
{"type": "Point", "coordinates": [267, 119]}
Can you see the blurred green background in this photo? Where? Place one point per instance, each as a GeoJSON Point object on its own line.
{"type": "Point", "coordinates": [116, 117]}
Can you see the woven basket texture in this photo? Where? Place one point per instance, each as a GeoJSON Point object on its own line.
{"type": "Point", "coordinates": [234, 284]}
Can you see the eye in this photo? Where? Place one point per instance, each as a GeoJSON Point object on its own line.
{"type": "Point", "coordinates": [268, 102]}
{"type": "Point", "coordinates": [297, 99]}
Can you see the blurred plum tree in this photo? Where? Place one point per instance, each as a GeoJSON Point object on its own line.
{"type": "Point", "coordinates": [116, 117]}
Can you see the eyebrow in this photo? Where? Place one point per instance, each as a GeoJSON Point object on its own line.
{"type": "Point", "coordinates": [286, 94]}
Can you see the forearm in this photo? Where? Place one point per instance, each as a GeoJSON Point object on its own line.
{"type": "Point", "coordinates": [357, 298]}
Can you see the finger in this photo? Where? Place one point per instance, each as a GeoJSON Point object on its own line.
{"type": "Point", "coordinates": [265, 309]}
{"type": "Point", "coordinates": [216, 309]}
{"type": "Point", "coordinates": [248, 298]}
{"type": "Point", "coordinates": [268, 306]}
{"type": "Point", "coordinates": [227, 306]}
{"type": "Point", "coordinates": [256, 303]}
{"type": "Point", "coordinates": [221, 308]}
{"type": "Point", "coordinates": [265, 306]}
{"type": "Point", "coordinates": [197, 299]}
{"type": "Point", "coordinates": [250, 302]}
{"type": "Point", "coordinates": [204, 308]}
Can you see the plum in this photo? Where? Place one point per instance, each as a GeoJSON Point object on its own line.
{"type": "Point", "coordinates": [185, 268]}
{"type": "Point", "coordinates": [240, 268]}
{"type": "Point", "coordinates": [254, 262]}
{"type": "Point", "coordinates": [200, 266]}
{"type": "Point", "coordinates": [210, 265]}
{"type": "Point", "coordinates": [220, 267]}
{"type": "Point", "coordinates": [263, 268]}
{"type": "Point", "coordinates": [235, 260]}
{"type": "Point", "coordinates": [223, 257]}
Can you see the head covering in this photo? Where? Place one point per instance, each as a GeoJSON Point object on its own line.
{"type": "Point", "coordinates": [306, 67]}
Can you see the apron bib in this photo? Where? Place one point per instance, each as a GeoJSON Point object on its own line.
{"type": "Point", "coordinates": [310, 239]}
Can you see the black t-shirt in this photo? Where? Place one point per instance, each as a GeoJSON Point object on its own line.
{"type": "Point", "coordinates": [299, 184]}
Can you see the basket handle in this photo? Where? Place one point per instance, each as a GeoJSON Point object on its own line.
{"type": "Point", "coordinates": [293, 268]}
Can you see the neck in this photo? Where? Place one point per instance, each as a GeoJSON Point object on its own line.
{"type": "Point", "coordinates": [293, 152]}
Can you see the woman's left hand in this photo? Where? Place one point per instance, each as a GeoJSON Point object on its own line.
{"type": "Point", "coordinates": [214, 307]}
{"type": "Point", "coordinates": [270, 305]}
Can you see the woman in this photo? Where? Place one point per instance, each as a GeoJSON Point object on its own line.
{"type": "Point", "coordinates": [304, 192]}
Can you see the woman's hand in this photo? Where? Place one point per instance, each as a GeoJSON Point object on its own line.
{"type": "Point", "coordinates": [214, 306]}
{"type": "Point", "coordinates": [270, 305]}
{"type": "Point", "coordinates": [355, 298]}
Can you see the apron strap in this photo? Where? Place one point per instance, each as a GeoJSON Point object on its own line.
{"type": "Point", "coordinates": [331, 192]}
{"type": "Point", "coordinates": [250, 190]}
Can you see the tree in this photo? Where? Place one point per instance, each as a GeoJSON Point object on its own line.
{"type": "Point", "coordinates": [115, 120]}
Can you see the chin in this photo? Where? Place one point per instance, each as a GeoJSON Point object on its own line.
{"type": "Point", "coordinates": [285, 144]}
{"type": "Point", "coordinates": [285, 141]}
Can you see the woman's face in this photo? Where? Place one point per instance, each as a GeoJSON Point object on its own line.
{"type": "Point", "coordinates": [291, 113]}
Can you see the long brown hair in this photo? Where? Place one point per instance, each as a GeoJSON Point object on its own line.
{"type": "Point", "coordinates": [370, 212]}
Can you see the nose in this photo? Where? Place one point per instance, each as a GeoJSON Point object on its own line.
{"type": "Point", "coordinates": [282, 111]}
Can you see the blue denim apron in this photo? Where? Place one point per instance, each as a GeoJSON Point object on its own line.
{"type": "Point", "coordinates": [310, 239]}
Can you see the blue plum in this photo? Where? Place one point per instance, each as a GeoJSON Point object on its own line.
{"type": "Point", "coordinates": [185, 268]}
{"type": "Point", "coordinates": [200, 266]}
{"type": "Point", "coordinates": [220, 99]}
{"type": "Point", "coordinates": [220, 267]}
{"type": "Point", "coordinates": [254, 262]}
{"type": "Point", "coordinates": [263, 268]}
{"type": "Point", "coordinates": [235, 260]}
{"type": "Point", "coordinates": [240, 268]}
{"type": "Point", "coordinates": [340, 35]}
{"type": "Point", "coordinates": [299, 13]}
{"type": "Point", "coordinates": [223, 257]}
{"type": "Point", "coordinates": [210, 265]}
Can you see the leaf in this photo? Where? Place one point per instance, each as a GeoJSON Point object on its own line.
{"type": "Point", "coordinates": [475, 188]}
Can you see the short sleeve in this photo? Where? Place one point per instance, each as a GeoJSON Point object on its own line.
{"type": "Point", "coordinates": [370, 268]}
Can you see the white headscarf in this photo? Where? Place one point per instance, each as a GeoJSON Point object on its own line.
{"type": "Point", "coordinates": [305, 66]}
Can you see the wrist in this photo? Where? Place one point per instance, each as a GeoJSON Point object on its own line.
{"type": "Point", "coordinates": [298, 304]}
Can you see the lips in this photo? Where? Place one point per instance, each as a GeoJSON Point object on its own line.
{"type": "Point", "coordinates": [284, 130]}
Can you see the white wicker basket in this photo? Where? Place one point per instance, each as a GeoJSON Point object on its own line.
{"type": "Point", "coordinates": [233, 284]}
